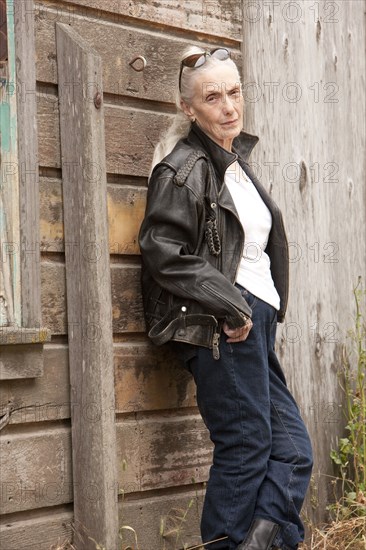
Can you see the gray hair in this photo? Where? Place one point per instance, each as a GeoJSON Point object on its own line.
{"type": "Point", "coordinates": [181, 124]}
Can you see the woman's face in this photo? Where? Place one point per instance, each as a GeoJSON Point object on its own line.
{"type": "Point", "coordinates": [217, 104]}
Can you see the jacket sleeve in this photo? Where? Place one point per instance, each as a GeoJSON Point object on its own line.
{"type": "Point", "coordinates": [169, 236]}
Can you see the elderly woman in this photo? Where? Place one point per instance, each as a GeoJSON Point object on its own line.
{"type": "Point", "coordinates": [215, 284]}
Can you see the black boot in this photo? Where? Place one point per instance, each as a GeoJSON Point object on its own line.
{"type": "Point", "coordinates": [261, 535]}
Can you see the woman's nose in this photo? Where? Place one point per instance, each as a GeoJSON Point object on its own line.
{"type": "Point", "coordinates": [228, 105]}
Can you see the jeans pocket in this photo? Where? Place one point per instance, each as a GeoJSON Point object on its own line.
{"type": "Point", "coordinates": [250, 299]}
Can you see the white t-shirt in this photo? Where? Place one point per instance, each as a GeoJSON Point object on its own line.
{"type": "Point", "coordinates": [254, 272]}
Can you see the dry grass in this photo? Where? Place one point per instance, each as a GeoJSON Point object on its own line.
{"type": "Point", "coordinates": [347, 534]}
{"type": "Point", "coordinates": [64, 546]}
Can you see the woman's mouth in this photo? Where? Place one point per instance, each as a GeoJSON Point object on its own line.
{"type": "Point", "coordinates": [230, 122]}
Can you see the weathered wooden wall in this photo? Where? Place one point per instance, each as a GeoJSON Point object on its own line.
{"type": "Point", "coordinates": [163, 448]}
{"type": "Point", "coordinates": [308, 107]}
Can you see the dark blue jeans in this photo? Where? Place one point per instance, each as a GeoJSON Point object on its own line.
{"type": "Point", "coordinates": [262, 457]}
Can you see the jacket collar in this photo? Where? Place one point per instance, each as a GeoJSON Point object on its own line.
{"type": "Point", "coordinates": [220, 157]}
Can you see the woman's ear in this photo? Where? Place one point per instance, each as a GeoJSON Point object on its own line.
{"type": "Point", "coordinates": [187, 110]}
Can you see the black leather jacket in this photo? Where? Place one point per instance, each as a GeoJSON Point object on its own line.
{"type": "Point", "coordinates": [188, 281]}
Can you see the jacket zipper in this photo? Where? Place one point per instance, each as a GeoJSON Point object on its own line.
{"type": "Point", "coordinates": [217, 295]}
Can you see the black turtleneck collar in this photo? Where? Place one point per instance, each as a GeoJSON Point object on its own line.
{"type": "Point", "coordinates": [220, 157]}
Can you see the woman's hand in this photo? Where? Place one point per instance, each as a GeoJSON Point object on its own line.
{"type": "Point", "coordinates": [237, 334]}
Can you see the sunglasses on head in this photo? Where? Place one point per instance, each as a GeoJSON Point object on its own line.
{"type": "Point", "coordinates": [197, 59]}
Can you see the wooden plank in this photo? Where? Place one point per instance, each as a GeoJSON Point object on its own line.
{"type": "Point", "coordinates": [53, 297]}
{"type": "Point", "coordinates": [48, 117]}
{"type": "Point", "coordinates": [6, 285]}
{"type": "Point", "coordinates": [175, 453]}
{"type": "Point", "coordinates": [19, 335]}
{"type": "Point", "coordinates": [147, 378]}
{"type": "Point", "coordinates": [10, 278]}
{"type": "Point", "coordinates": [126, 208]}
{"type": "Point", "coordinates": [222, 18]}
{"type": "Point", "coordinates": [44, 399]}
{"type": "Point", "coordinates": [146, 516]}
{"type": "Point", "coordinates": [150, 378]}
{"type": "Point", "coordinates": [315, 168]}
{"type": "Point", "coordinates": [88, 288]}
{"type": "Point", "coordinates": [131, 152]}
{"type": "Point", "coordinates": [3, 34]}
{"type": "Point", "coordinates": [155, 520]}
{"type": "Point", "coordinates": [128, 152]}
{"type": "Point", "coordinates": [39, 473]}
{"type": "Point", "coordinates": [153, 453]}
{"type": "Point", "coordinates": [21, 361]}
{"type": "Point", "coordinates": [22, 352]}
{"type": "Point", "coordinates": [118, 45]}
{"type": "Point", "coordinates": [162, 452]}
{"type": "Point", "coordinates": [128, 315]}
{"type": "Point", "coordinates": [28, 164]}
{"type": "Point", "coordinates": [51, 215]}
{"type": "Point", "coordinates": [36, 533]}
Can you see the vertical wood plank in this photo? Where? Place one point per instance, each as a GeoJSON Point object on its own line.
{"type": "Point", "coordinates": [10, 298]}
{"type": "Point", "coordinates": [88, 287]}
{"type": "Point", "coordinates": [6, 289]}
{"type": "Point", "coordinates": [28, 164]}
{"type": "Point", "coordinates": [3, 33]}
{"type": "Point", "coordinates": [302, 67]}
